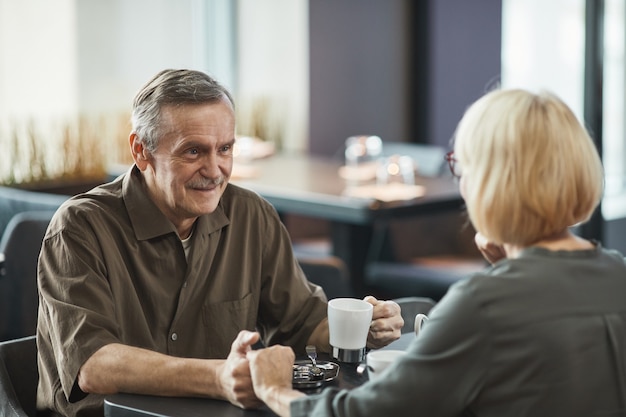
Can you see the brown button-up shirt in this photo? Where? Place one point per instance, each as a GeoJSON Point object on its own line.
{"type": "Point", "coordinates": [113, 270]}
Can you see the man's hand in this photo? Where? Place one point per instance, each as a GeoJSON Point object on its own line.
{"type": "Point", "coordinates": [234, 375]}
{"type": "Point", "coordinates": [491, 251]}
{"type": "Point", "coordinates": [272, 373]}
{"type": "Point", "coordinates": [386, 324]}
{"type": "Point", "coordinates": [271, 368]}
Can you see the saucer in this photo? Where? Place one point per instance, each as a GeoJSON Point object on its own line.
{"type": "Point", "coordinates": [305, 378]}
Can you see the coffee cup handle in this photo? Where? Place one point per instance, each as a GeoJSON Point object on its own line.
{"type": "Point", "coordinates": [419, 322]}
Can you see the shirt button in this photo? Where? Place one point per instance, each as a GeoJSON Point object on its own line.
{"type": "Point", "coordinates": [185, 284]}
{"type": "Point", "coordinates": [174, 337]}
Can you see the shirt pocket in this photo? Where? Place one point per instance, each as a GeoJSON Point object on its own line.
{"type": "Point", "coordinates": [224, 320]}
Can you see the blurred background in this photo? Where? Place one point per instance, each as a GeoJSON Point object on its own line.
{"type": "Point", "coordinates": [306, 74]}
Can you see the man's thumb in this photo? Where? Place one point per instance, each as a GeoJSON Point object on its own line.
{"type": "Point", "coordinates": [244, 340]}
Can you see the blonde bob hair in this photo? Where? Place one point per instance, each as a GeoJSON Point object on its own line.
{"type": "Point", "coordinates": [529, 168]}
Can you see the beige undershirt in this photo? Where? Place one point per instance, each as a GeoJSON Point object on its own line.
{"type": "Point", "coordinates": [187, 244]}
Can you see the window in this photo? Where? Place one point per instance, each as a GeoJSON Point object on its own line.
{"type": "Point", "coordinates": [543, 47]}
{"type": "Point", "coordinates": [69, 70]}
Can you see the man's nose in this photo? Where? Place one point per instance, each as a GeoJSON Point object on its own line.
{"type": "Point", "coordinates": [210, 166]}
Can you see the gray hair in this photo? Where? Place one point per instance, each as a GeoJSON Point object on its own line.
{"type": "Point", "coordinates": [171, 87]}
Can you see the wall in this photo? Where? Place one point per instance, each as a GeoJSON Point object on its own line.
{"type": "Point", "coordinates": [118, 53]}
{"type": "Point", "coordinates": [72, 67]}
{"type": "Point", "coordinates": [614, 234]}
{"type": "Point", "coordinates": [37, 59]}
{"type": "Point", "coordinates": [358, 71]}
{"type": "Point", "coordinates": [404, 70]}
{"type": "Point", "coordinates": [273, 71]}
{"type": "Point", "coordinates": [464, 61]}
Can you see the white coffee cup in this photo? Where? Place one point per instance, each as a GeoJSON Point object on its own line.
{"type": "Point", "coordinates": [349, 321]}
{"type": "Point", "coordinates": [379, 360]}
{"type": "Point", "coordinates": [419, 322]}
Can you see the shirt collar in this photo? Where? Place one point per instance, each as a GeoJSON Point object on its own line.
{"type": "Point", "coordinates": [149, 222]}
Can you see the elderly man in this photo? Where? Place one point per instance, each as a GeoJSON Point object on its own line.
{"type": "Point", "coordinates": [147, 282]}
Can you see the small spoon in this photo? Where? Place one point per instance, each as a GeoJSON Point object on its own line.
{"type": "Point", "coordinates": [312, 354]}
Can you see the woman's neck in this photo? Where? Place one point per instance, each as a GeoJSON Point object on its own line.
{"type": "Point", "coordinates": [565, 240]}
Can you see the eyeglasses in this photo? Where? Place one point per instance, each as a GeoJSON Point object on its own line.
{"type": "Point", "coordinates": [453, 163]}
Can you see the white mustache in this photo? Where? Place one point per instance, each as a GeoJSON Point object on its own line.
{"type": "Point", "coordinates": [206, 182]}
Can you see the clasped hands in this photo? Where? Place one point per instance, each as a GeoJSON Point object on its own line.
{"type": "Point", "coordinates": [251, 376]}
{"type": "Point", "coordinates": [247, 375]}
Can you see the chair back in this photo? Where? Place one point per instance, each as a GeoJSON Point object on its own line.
{"type": "Point", "coordinates": [20, 244]}
{"type": "Point", "coordinates": [16, 200]}
{"type": "Point", "coordinates": [18, 377]}
{"type": "Point", "coordinates": [410, 307]}
{"type": "Point", "coordinates": [329, 272]}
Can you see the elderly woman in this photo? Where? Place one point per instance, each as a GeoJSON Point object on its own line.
{"type": "Point", "coordinates": [542, 332]}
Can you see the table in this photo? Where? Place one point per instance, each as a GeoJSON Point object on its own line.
{"type": "Point", "coordinates": [132, 405]}
{"type": "Point", "coordinates": [311, 186]}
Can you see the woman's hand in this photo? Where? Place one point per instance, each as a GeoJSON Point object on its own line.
{"type": "Point", "coordinates": [272, 372]}
{"type": "Point", "coordinates": [491, 251]}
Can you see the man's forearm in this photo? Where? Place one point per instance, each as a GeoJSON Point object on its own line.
{"type": "Point", "coordinates": [120, 368]}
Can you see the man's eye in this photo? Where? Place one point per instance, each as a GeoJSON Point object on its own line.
{"type": "Point", "coordinates": [193, 151]}
{"type": "Point", "coordinates": [226, 148]}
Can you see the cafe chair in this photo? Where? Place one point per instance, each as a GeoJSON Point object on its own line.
{"type": "Point", "coordinates": [20, 245]}
{"type": "Point", "coordinates": [423, 257]}
{"type": "Point", "coordinates": [432, 278]}
{"type": "Point", "coordinates": [15, 200]}
{"type": "Point", "coordinates": [329, 272]}
{"type": "Point", "coordinates": [410, 307]}
{"type": "Point", "coordinates": [18, 377]}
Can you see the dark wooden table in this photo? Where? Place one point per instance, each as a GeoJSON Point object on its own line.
{"type": "Point", "coordinates": [131, 405]}
{"type": "Point", "coordinates": [311, 186]}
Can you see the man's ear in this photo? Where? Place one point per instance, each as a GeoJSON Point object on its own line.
{"type": "Point", "coordinates": [138, 151]}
